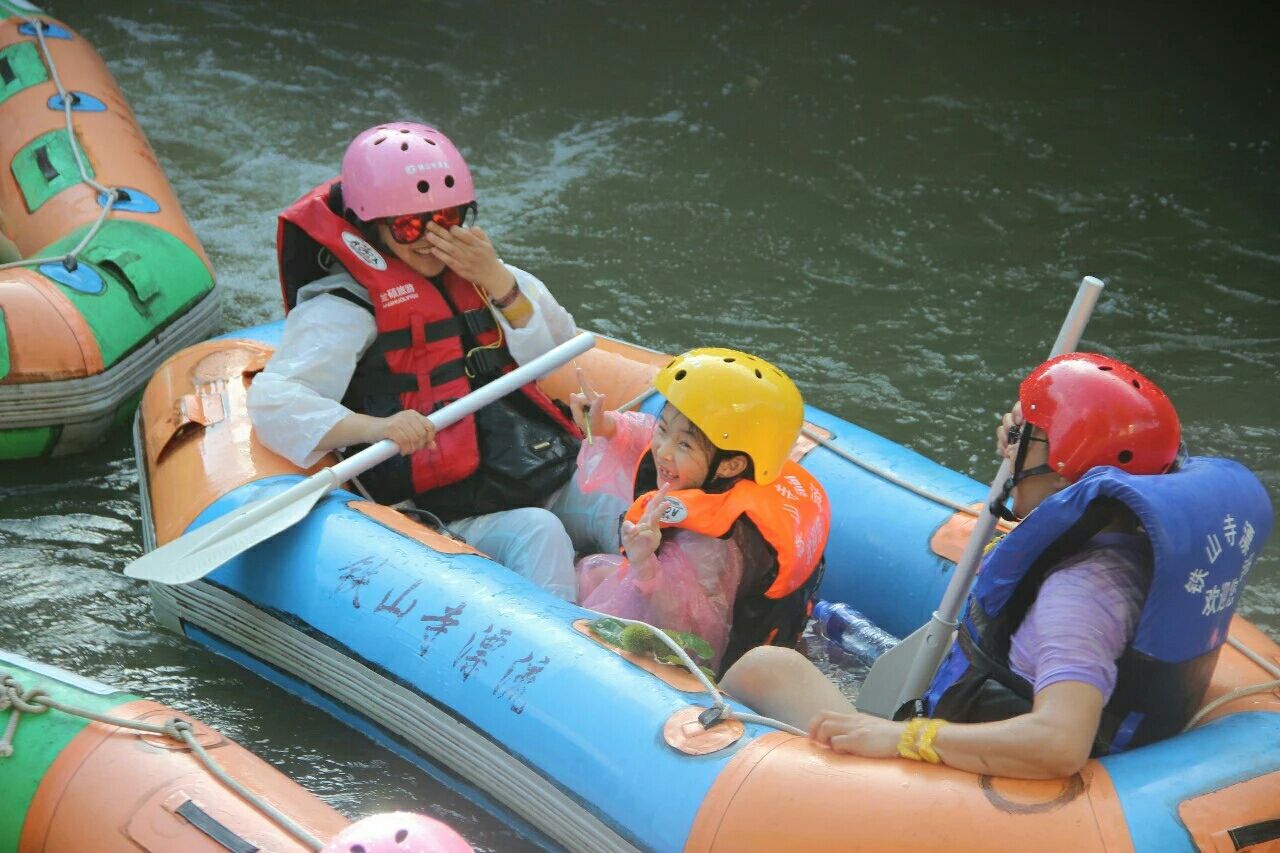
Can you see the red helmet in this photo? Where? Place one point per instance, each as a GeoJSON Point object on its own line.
{"type": "Point", "coordinates": [1099, 411]}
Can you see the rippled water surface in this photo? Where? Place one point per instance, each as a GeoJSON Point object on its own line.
{"type": "Point", "coordinates": [894, 202]}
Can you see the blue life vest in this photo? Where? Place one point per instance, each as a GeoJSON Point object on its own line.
{"type": "Point", "coordinates": [1205, 522]}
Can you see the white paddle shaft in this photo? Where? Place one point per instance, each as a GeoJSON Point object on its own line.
{"type": "Point", "coordinates": [376, 454]}
{"type": "Point", "coordinates": [198, 552]}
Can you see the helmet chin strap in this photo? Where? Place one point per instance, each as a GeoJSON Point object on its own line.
{"type": "Point", "coordinates": [998, 506]}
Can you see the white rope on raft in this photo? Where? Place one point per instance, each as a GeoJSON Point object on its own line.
{"type": "Point", "coordinates": [717, 695]}
{"type": "Point", "coordinates": [726, 712]}
{"type": "Point", "coordinates": [68, 260]}
{"type": "Point", "coordinates": [1241, 692]}
{"type": "Point", "coordinates": [37, 701]}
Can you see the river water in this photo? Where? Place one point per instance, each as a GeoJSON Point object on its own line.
{"type": "Point", "coordinates": [894, 202]}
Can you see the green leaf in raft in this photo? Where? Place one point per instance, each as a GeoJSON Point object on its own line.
{"type": "Point", "coordinates": [640, 640]}
{"type": "Point", "coordinates": [609, 630]}
{"type": "Point", "coordinates": [697, 647]}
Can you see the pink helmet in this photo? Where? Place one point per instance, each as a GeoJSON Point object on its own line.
{"type": "Point", "coordinates": [397, 832]}
{"type": "Point", "coordinates": [403, 167]}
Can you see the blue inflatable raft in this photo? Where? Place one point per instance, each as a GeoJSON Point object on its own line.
{"type": "Point", "coordinates": [485, 680]}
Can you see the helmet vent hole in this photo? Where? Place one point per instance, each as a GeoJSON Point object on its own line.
{"type": "Point", "coordinates": [404, 130]}
{"type": "Point", "coordinates": [1125, 456]}
{"type": "Point", "coordinates": [448, 181]}
{"type": "Point", "coordinates": [680, 374]}
{"type": "Point", "coordinates": [759, 375]}
{"type": "Point", "coordinates": [401, 835]}
{"type": "Point", "coordinates": [423, 186]}
{"type": "Point", "coordinates": [1136, 384]}
{"type": "Point", "coordinates": [404, 146]}
{"type": "Point", "coordinates": [728, 361]}
{"type": "Point", "coordinates": [428, 141]}
{"type": "Point", "coordinates": [357, 848]}
{"type": "Point", "coordinates": [379, 140]}
{"type": "Point", "coordinates": [1104, 367]}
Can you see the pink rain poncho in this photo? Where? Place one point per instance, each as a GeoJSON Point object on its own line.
{"type": "Point", "coordinates": [696, 577]}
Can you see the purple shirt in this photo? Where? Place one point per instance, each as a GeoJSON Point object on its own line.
{"type": "Point", "coordinates": [1084, 616]}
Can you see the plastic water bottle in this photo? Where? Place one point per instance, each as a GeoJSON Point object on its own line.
{"type": "Point", "coordinates": [851, 631]}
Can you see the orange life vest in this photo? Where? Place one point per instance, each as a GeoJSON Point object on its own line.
{"type": "Point", "coordinates": [792, 514]}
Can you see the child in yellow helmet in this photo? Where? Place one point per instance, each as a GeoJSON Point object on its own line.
{"type": "Point", "coordinates": [724, 535]}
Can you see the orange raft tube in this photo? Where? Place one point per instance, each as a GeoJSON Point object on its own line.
{"type": "Point", "coordinates": [101, 276]}
{"type": "Point", "coordinates": [71, 784]}
{"type": "Point", "coordinates": [1214, 787]}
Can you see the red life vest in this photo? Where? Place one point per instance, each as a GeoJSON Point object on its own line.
{"type": "Point", "coordinates": [793, 516]}
{"type": "Point", "coordinates": [418, 358]}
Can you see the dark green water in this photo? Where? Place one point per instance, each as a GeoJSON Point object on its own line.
{"type": "Point", "coordinates": [893, 202]}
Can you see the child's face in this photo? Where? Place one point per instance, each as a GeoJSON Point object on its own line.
{"type": "Point", "coordinates": [679, 452]}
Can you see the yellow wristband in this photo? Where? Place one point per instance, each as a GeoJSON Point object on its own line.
{"type": "Point", "coordinates": [925, 746]}
{"type": "Point", "coordinates": [907, 743]}
{"type": "Point", "coordinates": [518, 311]}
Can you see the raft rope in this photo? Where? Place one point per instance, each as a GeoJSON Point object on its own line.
{"type": "Point", "coordinates": [69, 260]}
{"type": "Point", "coordinates": [718, 703]}
{"type": "Point", "coordinates": [37, 701]}
{"type": "Point", "coordinates": [871, 467]}
{"type": "Point", "coordinates": [725, 712]}
{"type": "Point", "coordinates": [1241, 692]}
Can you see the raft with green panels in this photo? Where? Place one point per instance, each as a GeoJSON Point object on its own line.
{"type": "Point", "coordinates": [72, 784]}
{"type": "Point", "coordinates": [82, 327]}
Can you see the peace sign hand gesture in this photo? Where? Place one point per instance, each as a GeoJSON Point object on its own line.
{"type": "Point", "coordinates": [641, 539]}
{"type": "Point", "coordinates": [588, 411]}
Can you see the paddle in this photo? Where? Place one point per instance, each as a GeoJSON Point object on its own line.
{"type": "Point", "coordinates": [903, 673]}
{"type": "Point", "coordinates": [193, 555]}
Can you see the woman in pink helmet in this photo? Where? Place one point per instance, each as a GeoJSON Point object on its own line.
{"type": "Point", "coordinates": [1037, 690]}
{"type": "Point", "coordinates": [394, 308]}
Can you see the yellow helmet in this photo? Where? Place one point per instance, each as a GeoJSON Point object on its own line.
{"type": "Point", "coordinates": [739, 401]}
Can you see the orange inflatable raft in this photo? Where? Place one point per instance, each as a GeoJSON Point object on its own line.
{"type": "Point", "coordinates": [101, 276]}
{"type": "Point", "coordinates": [71, 784]}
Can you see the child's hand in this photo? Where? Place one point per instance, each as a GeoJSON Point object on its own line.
{"type": "Point", "coordinates": [588, 407]}
{"type": "Point", "coordinates": [641, 539]}
{"type": "Point", "coordinates": [468, 252]}
{"type": "Point", "coordinates": [410, 430]}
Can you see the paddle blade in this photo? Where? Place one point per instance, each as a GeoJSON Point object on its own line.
{"type": "Point", "coordinates": [896, 676]}
{"type": "Point", "coordinates": [193, 555]}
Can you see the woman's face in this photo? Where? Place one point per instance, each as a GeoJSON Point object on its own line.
{"type": "Point", "coordinates": [679, 452]}
{"type": "Point", "coordinates": [1029, 493]}
{"type": "Point", "coordinates": [416, 254]}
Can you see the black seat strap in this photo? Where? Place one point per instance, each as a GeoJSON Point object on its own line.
{"type": "Point", "coordinates": [47, 168]}
{"type": "Point", "coordinates": [217, 831]}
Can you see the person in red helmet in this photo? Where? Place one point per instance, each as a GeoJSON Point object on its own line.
{"type": "Point", "coordinates": [1029, 679]}
{"type": "Point", "coordinates": [396, 305]}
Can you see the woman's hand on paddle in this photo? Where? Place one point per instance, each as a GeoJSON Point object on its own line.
{"type": "Point", "coordinates": [641, 539]}
{"type": "Point", "coordinates": [1010, 425]}
{"type": "Point", "coordinates": [856, 734]}
{"type": "Point", "coordinates": [469, 253]}
{"type": "Point", "coordinates": [410, 430]}
{"type": "Point", "coordinates": [587, 407]}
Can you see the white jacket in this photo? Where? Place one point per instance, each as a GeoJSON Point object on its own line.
{"type": "Point", "coordinates": [295, 401]}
